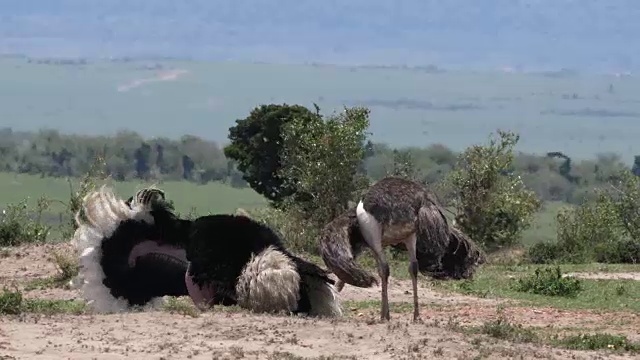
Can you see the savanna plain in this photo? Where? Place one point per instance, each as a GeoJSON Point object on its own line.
{"type": "Point", "coordinates": [481, 318]}
{"type": "Point", "coordinates": [489, 317]}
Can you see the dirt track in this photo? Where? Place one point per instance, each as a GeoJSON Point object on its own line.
{"type": "Point", "coordinates": [235, 335]}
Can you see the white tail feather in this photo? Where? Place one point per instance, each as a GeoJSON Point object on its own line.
{"type": "Point", "coordinates": [103, 211]}
{"type": "Point", "coordinates": [323, 298]}
{"type": "Point", "coordinates": [269, 283]}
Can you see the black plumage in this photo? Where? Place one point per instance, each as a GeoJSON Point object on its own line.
{"type": "Point", "coordinates": [146, 251]}
{"type": "Point", "coordinates": [220, 246]}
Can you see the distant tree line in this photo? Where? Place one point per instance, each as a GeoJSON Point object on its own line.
{"type": "Point", "coordinates": [128, 156]}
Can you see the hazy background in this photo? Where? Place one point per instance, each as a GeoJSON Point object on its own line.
{"type": "Point", "coordinates": [560, 72]}
{"type": "Point", "coordinates": [595, 35]}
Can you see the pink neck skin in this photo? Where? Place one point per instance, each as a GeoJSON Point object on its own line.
{"type": "Point", "coordinates": [202, 296]}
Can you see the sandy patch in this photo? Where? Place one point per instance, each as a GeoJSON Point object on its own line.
{"type": "Point", "coordinates": [240, 335]}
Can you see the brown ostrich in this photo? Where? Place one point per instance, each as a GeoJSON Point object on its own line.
{"type": "Point", "coordinates": [402, 213]}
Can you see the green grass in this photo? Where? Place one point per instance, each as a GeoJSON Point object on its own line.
{"type": "Point", "coordinates": [12, 302]}
{"type": "Point", "coordinates": [596, 342]}
{"type": "Point", "coordinates": [209, 198]}
{"type": "Point", "coordinates": [181, 306]}
{"type": "Point", "coordinates": [454, 108]}
{"type": "Point", "coordinates": [496, 281]}
{"type": "Point", "coordinates": [503, 329]}
{"type": "Point", "coordinates": [212, 197]}
{"type": "Point", "coordinates": [50, 307]}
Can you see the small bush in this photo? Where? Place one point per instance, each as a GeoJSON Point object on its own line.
{"type": "Point", "coordinates": [625, 251]}
{"type": "Point", "coordinates": [10, 302]}
{"type": "Point", "coordinates": [322, 161]}
{"type": "Point", "coordinates": [179, 306]}
{"type": "Point", "coordinates": [97, 172]}
{"type": "Point", "coordinates": [549, 282]}
{"type": "Point", "coordinates": [20, 224]}
{"type": "Point", "coordinates": [597, 341]}
{"type": "Point", "coordinates": [298, 235]}
{"type": "Point", "coordinates": [503, 329]}
{"type": "Point", "coordinates": [66, 265]}
{"type": "Point", "coordinates": [605, 229]}
{"type": "Point", "coordinates": [493, 206]}
{"type": "Point", "coordinates": [543, 253]}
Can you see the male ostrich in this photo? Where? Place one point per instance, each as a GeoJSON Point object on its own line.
{"type": "Point", "coordinates": [137, 251]}
{"type": "Point", "coordinates": [393, 212]}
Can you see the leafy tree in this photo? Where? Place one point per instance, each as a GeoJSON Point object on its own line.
{"type": "Point", "coordinates": [493, 206]}
{"type": "Point", "coordinates": [321, 161]}
{"type": "Point", "coordinates": [403, 165]}
{"type": "Point", "coordinates": [636, 165]}
{"type": "Point", "coordinates": [257, 146]}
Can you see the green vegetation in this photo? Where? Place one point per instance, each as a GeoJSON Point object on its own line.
{"type": "Point", "coordinates": [18, 192]}
{"type": "Point", "coordinates": [13, 303]}
{"type": "Point", "coordinates": [500, 281]}
{"type": "Point", "coordinates": [493, 205]}
{"type": "Point", "coordinates": [67, 267]}
{"type": "Point", "coordinates": [261, 133]}
{"type": "Point", "coordinates": [597, 341]}
{"type": "Point", "coordinates": [319, 164]}
{"type": "Point", "coordinates": [20, 223]}
{"type": "Point", "coordinates": [549, 282]}
{"type": "Point", "coordinates": [303, 168]}
{"type": "Point", "coordinates": [182, 307]}
{"type": "Point", "coordinates": [502, 328]}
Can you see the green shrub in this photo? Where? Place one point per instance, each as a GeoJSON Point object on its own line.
{"type": "Point", "coordinates": [10, 302]}
{"type": "Point", "coordinates": [544, 253]}
{"type": "Point", "coordinates": [619, 252]}
{"type": "Point", "coordinates": [67, 266]}
{"type": "Point", "coordinates": [19, 224]}
{"type": "Point", "coordinates": [97, 172]}
{"type": "Point", "coordinates": [256, 144]}
{"type": "Point", "coordinates": [586, 228]}
{"type": "Point", "coordinates": [493, 206]}
{"type": "Point", "coordinates": [298, 235]}
{"type": "Point", "coordinates": [322, 161]}
{"type": "Point", "coordinates": [502, 329]}
{"type": "Point", "coordinates": [549, 282]}
{"type": "Point", "coordinates": [596, 342]}
{"type": "Point", "coordinates": [604, 229]}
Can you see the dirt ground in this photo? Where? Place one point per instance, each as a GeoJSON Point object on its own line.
{"type": "Point", "coordinates": [239, 335]}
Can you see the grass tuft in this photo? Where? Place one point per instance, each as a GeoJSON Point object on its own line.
{"type": "Point", "coordinates": [182, 307]}
{"type": "Point", "coordinates": [13, 303]}
{"type": "Point", "coordinates": [597, 341]}
{"type": "Point", "coordinates": [549, 282]}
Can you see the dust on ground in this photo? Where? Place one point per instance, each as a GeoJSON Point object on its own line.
{"type": "Point", "coordinates": [240, 335]}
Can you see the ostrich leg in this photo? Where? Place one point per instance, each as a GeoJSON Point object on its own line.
{"type": "Point", "coordinates": [413, 270]}
{"type": "Point", "coordinates": [371, 231]}
{"type": "Point", "coordinates": [383, 272]}
{"type": "Point", "coordinates": [372, 234]}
